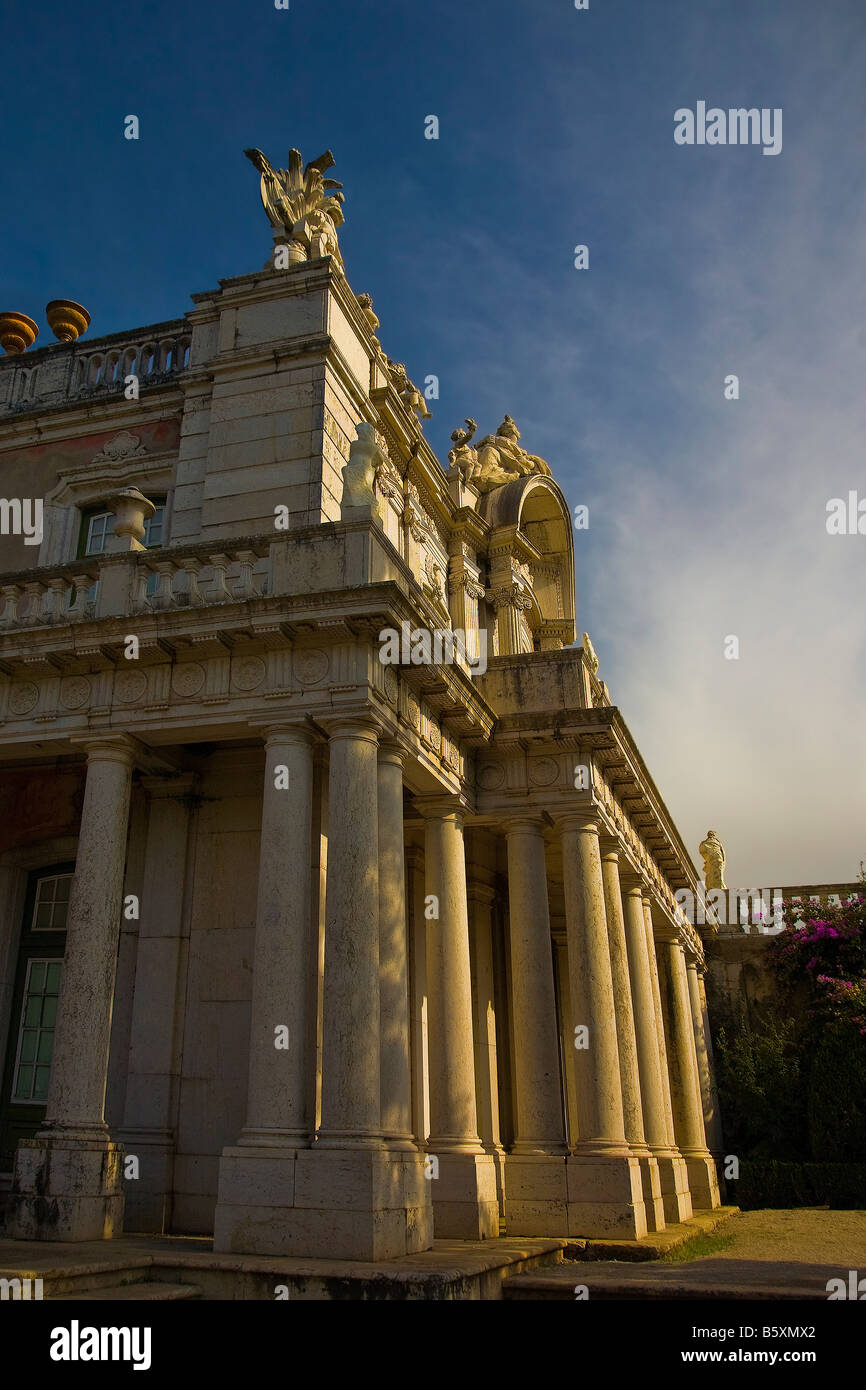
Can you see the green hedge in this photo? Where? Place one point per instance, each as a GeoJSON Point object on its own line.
{"type": "Point", "coordinates": [771, 1183]}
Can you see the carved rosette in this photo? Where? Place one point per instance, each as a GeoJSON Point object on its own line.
{"type": "Point", "coordinates": [75, 692]}
{"type": "Point", "coordinates": [310, 665]}
{"type": "Point", "coordinates": [130, 686]}
{"type": "Point", "coordinates": [23, 698]}
{"type": "Point", "coordinates": [187, 679]}
{"type": "Point", "coordinates": [248, 673]}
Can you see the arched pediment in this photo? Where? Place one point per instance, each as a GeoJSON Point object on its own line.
{"type": "Point", "coordinates": [532, 535]}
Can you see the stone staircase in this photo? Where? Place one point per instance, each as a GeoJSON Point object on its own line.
{"type": "Point", "coordinates": [143, 1291]}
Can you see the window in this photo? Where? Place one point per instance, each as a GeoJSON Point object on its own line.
{"type": "Point", "coordinates": [38, 981]}
{"type": "Point", "coordinates": [52, 903]}
{"type": "Point", "coordinates": [36, 1034]}
{"type": "Point", "coordinates": [153, 528]}
{"type": "Point", "coordinates": [98, 529]}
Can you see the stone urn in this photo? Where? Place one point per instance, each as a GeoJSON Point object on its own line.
{"type": "Point", "coordinates": [132, 509]}
{"type": "Point", "coordinates": [66, 319]}
{"type": "Point", "coordinates": [17, 332]}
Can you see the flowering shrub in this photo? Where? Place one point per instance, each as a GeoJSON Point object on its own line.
{"type": "Point", "coordinates": [793, 1084]}
{"type": "Point", "coordinates": [826, 953]}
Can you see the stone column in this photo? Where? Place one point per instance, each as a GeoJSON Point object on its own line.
{"type": "Point", "coordinates": [713, 1125]}
{"type": "Point", "coordinates": [418, 982]}
{"type": "Point", "coordinates": [160, 971]}
{"type": "Point", "coordinates": [68, 1180]}
{"type": "Point", "coordinates": [605, 1193]}
{"type": "Point", "coordinates": [464, 1193]}
{"type": "Point", "coordinates": [258, 1172]}
{"type": "Point", "coordinates": [535, 1170]}
{"type": "Point", "coordinates": [278, 1114]}
{"type": "Point", "coordinates": [509, 603]}
{"type": "Point", "coordinates": [626, 1041]}
{"type": "Point", "coordinates": [348, 1194]}
{"type": "Point", "coordinates": [685, 1085]}
{"type": "Point", "coordinates": [481, 899]}
{"type": "Point", "coordinates": [351, 1045]}
{"type": "Point", "coordinates": [567, 1041]}
{"type": "Point", "coordinates": [677, 1198]}
{"type": "Point", "coordinates": [709, 1102]}
{"type": "Point", "coordinates": [672, 1173]}
{"type": "Point", "coordinates": [396, 1079]}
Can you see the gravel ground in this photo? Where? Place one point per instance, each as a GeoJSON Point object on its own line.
{"type": "Point", "coordinates": [812, 1235]}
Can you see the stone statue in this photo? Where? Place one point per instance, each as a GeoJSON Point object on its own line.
{"type": "Point", "coordinates": [298, 202]}
{"type": "Point", "coordinates": [407, 389]}
{"type": "Point", "coordinates": [366, 455]}
{"type": "Point", "coordinates": [365, 303]}
{"type": "Point", "coordinates": [590, 654]}
{"type": "Point", "coordinates": [497, 460]}
{"type": "Point", "coordinates": [713, 855]}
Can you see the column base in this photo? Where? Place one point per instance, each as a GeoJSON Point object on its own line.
{"type": "Point", "coordinates": [652, 1192]}
{"type": "Point", "coordinates": [605, 1196]}
{"type": "Point", "coordinates": [703, 1181]}
{"type": "Point", "coordinates": [148, 1198]}
{"type": "Point", "coordinates": [675, 1188]}
{"type": "Point", "coordinates": [66, 1189]}
{"type": "Point", "coordinates": [339, 1204]}
{"type": "Point", "coordinates": [465, 1202]}
{"type": "Point", "coordinates": [536, 1195]}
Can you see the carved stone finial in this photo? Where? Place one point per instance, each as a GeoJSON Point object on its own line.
{"type": "Point", "coordinates": [712, 852]}
{"type": "Point", "coordinates": [299, 203]}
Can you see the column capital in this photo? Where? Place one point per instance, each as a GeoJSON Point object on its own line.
{"type": "Point", "coordinates": [478, 892]}
{"type": "Point", "coordinates": [669, 935]}
{"type": "Point", "coordinates": [351, 726]}
{"type": "Point", "coordinates": [631, 888]}
{"type": "Point", "coordinates": [582, 821]}
{"type": "Point", "coordinates": [441, 807]}
{"type": "Point", "coordinates": [171, 787]}
{"type": "Point", "coordinates": [523, 820]}
{"type": "Point", "coordinates": [111, 748]}
{"type": "Point", "coordinates": [392, 751]}
{"type": "Point", "coordinates": [285, 731]}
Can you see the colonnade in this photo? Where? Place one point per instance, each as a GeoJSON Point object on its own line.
{"type": "Point", "coordinates": [355, 1176]}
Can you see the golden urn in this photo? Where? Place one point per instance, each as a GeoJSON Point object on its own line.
{"type": "Point", "coordinates": [17, 332]}
{"type": "Point", "coordinates": [66, 319]}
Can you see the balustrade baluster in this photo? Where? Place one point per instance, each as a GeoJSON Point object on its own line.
{"type": "Point", "coordinates": [220, 592]}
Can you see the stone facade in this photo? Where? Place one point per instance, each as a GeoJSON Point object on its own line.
{"type": "Point", "coordinates": [355, 952]}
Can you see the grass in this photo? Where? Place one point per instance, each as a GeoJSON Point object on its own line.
{"type": "Point", "coordinates": [697, 1249]}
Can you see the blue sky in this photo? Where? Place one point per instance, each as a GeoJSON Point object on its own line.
{"type": "Point", "coordinates": [556, 128]}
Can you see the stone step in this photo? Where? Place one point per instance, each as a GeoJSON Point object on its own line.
{"type": "Point", "coordinates": [151, 1292]}
{"type": "Point", "coordinates": [715, 1280]}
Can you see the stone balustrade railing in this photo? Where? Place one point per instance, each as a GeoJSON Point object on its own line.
{"type": "Point", "coordinates": [134, 582]}
{"type": "Point", "coordinates": [67, 372]}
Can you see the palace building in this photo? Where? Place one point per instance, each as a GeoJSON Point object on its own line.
{"type": "Point", "coordinates": [318, 947]}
